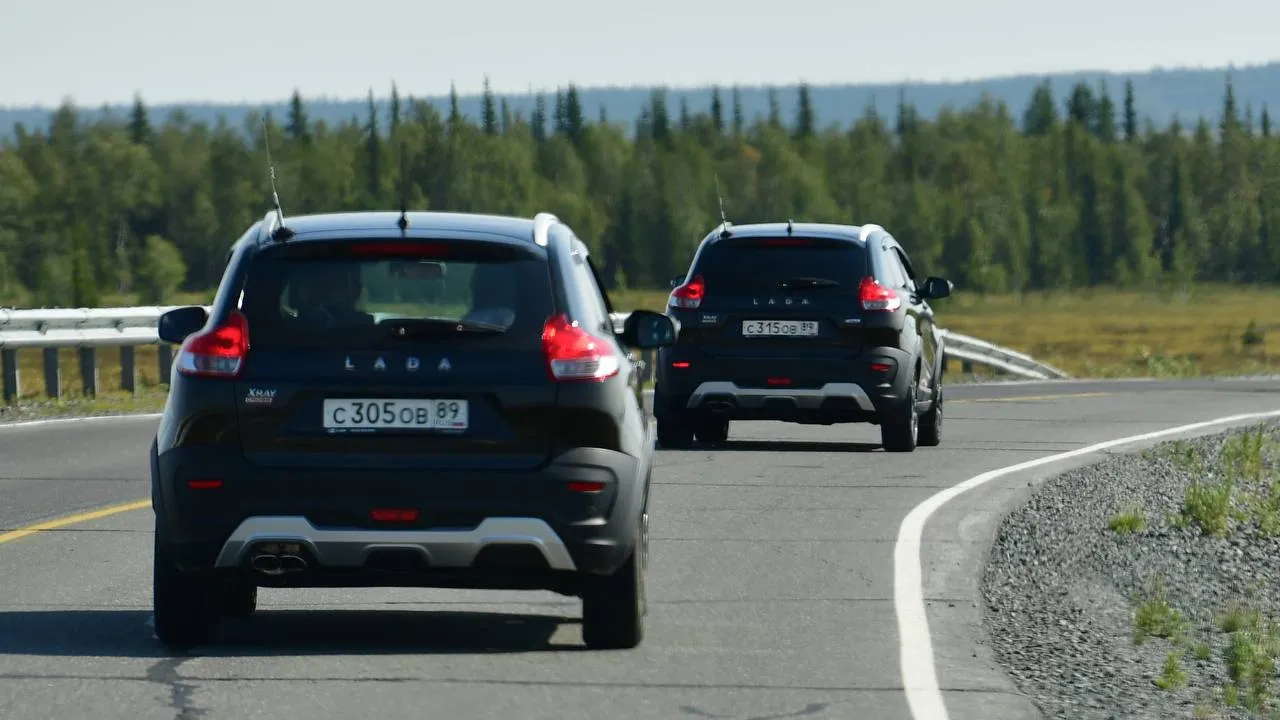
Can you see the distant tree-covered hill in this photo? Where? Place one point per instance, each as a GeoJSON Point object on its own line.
{"type": "Point", "coordinates": [1161, 95]}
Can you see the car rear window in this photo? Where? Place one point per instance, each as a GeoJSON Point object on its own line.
{"type": "Point", "coordinates": [329, 296]}
{"type": "Point", "coordinates": [759, 265]}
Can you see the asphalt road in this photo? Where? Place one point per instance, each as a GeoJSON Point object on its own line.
{"type": "Point", "coordinates": [772, 583]}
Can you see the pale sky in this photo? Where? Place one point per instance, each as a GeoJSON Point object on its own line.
{"type": "Point", "coordinates": [240, 50]}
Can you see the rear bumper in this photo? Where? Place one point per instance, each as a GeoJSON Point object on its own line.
{"type": "Point", "coordinates": [517, 529]}
{"type": "Point", "coordinates": [860, 389]}
{"type": "Point", "coordinates": [347, 549]}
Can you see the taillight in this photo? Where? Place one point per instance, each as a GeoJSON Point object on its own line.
{"type": "Point", "coordinates": [875, 296]}
{"type": "Point", "coordinates": [689, 295]}
{"type": "Point", "coordinates": [219, 352]}
{"type": "Point", "coordinates": [575, 354]}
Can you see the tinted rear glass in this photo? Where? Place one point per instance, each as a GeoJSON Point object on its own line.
{"type": "Point", "coordinates": [758, 268]}
{"type": "Point", "coordinates": [334, 300]}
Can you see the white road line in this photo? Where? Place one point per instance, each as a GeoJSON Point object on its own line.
{"type": "Point", "coordinates": [919, 675]}
{"type": "Point", "coordinates": [79, 420]}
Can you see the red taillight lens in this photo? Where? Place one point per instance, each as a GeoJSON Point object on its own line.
{"type": "Point", "coordinates": [586, 486]}
{"type": "Point", "coordinates": [681, 364]}
{"type": "Point", "coordinates": [394, 515]}
{"type": "Point", "coordinates": [216, 353]}
{"type": "Point", "coordinates": [689, 295]}
{"type": "Point", "coordinates": [875, 296]}
{"type": "Point", "coordinates": [575, 354]}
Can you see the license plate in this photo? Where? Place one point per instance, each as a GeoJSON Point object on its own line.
{"type": "Point", "coordinates": [395, 414]}
{"type": "Point", "coordinates": [779, 328]}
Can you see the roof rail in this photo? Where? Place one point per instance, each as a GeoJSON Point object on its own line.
{"type": "Point", "coordinates": [542, 223]}
{"type": "Point", "coordinates": [866, 231]}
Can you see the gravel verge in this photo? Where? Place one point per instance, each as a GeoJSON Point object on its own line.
{"type": "Point", "coordinates": [1066, 593]}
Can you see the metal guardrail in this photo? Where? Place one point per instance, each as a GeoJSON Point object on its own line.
{"type": "Point", "coordinates": [127, 328]}
{"type": "Point", "coordinates": [980, 352]}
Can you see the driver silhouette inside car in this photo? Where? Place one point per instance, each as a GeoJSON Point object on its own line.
{"type": "Point", "coordinates": [327, 295]}
{"type": "Point", "coordinates": [493, 296]}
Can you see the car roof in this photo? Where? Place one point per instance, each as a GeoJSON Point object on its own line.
{"type": "Point", "coordinates": [419, 222]}
{"type": "Point", "coordinates": [832, 231]}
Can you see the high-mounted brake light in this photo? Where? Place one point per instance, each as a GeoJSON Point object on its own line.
{"type": "Point", "coordinates": [875, 296]}
{"type": "Point", "coordinates": [398, 249]}
{"type": "Point", "coordinates": [689, 295]}
{"type": "Point", "coordinates": [219, 352]}
{"type": "Point", "coordinates": [575, 354]}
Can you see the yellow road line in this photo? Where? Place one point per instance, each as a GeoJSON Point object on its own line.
{"type": "Point", "coordinates": [73, 520]}
{"type": "Point", "coordinates": [1024, 398]}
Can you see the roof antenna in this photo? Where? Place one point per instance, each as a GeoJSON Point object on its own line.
{"type": "Point", "coordinates": [403, 222]}
{"type": "Point", "coordinates": [724, 220]}
{"type": "Point", "coordinates": [281, 232]}
{"type": "Point", "coordinates": [788, 227]}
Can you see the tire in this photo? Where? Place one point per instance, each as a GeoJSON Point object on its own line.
{"type": "Point", "coordinates": [185, 605]}
{"type": "Point", "coordinates": [674, 432]}
{"type": "Point", "coordinates": [713, 432]}
{"type": "Point", "coordinates": [898, 434]}
{"type": "Point", "coordinates": [930, 434]}
{"type": "Point", "coordinates": [614, 606]}
{"type": "Point", "coordinates": [239, 599]}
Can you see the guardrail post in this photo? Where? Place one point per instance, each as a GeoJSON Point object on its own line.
{"type": "Point", "coordinates": [89, 370]}
{"type": "Point", "coordinates": [52, 374]}
{"type": "Point", "coordinates": [9, 368]}
{"type": "Point", "coordinates": [165, 354]}
{"type": "Point", "coordinates": [128, 370]}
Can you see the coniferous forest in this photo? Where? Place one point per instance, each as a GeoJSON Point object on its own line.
{"type": "Point", "coordinates": [996, 198]}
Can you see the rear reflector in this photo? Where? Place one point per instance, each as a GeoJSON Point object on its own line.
{"type": "Point", "coordinates": [394, 514]}
{"type": "Point", "coordinates": [779, 381]}
{"type": "Point", "coordinates": [682, 364]}
{"type": "Point", "coordinates": [204, 484]}
{"type": "Point", "coordinates": [586, 486]}
{"type": "Point", "coordinates": [881, 367]}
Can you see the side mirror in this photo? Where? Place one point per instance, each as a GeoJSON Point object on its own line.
{"type": "Point", "coordinates": [646, 329]}
{"type": "Point", "coordinates": [177, 324]}
{"type": "Point", "coordinates": [936, 287]}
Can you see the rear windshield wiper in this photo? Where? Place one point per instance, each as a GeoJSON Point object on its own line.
{"type": "Point", "coordinates": [439, 327]}
{"type": "Point", "coordinates": [807, 282]}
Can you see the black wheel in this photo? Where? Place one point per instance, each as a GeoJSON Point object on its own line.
{"type": "Point", "coordinates": [931, 424]}
{"type": "Point", "coordinates": [674, 432]}
{"type": "Point", "coordinates": [614, 606]}
{"type": "Point", "coordinates": [898, 433]}
{"type": "Point", "coordinates": [239, 599]}
{"type": "Point", "coordinates": [185, 605]}
{"type": "Point", "coordinates": [713, 432]}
